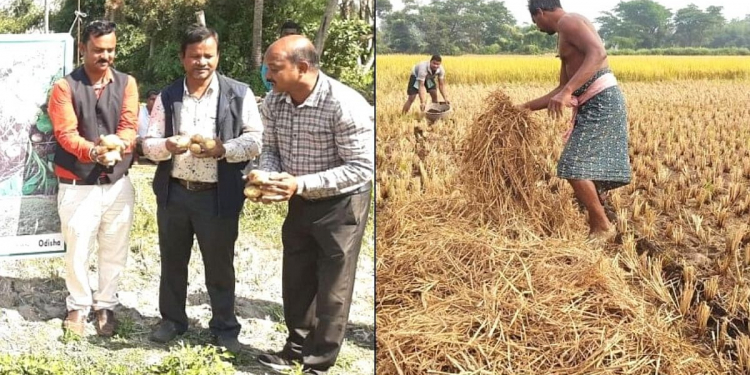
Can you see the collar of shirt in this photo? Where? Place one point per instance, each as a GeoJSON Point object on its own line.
{"type": "Point", "coordinates": [320, 89]}
{"type": "Point", "coordinates": [212, 87]}
{"type": "Point", "coordinates": [107, 79]}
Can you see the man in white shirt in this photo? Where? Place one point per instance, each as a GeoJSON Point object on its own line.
{"type": "Point", "coordinates": [199, 192]}
{"type": "Point", "coordinates": [423, 79]}
{"type": "Point", "coordinates": [143, 120]}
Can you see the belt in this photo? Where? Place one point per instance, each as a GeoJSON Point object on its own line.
{"type": "Point", "coordinates": [196, 185]}
{"type": "Point", "coordinates": [102, 180]}
{"type": "Point", "coordinates": [362, 189]}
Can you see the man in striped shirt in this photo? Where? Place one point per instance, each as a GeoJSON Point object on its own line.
{"type": "Point", "coordinates": [318, 139]}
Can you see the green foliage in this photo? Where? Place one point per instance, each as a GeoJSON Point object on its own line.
{"type": "Point", "coordinates": [646, 21]}
{"type": "Point", "coordinates": [346, 52]}
{"type": "Point", "coordinates": [197, 360]}
{"type": "Point", "coordinates": [683, 51]}
{"type": "Point", "coordinates": [149, 33]}
{"type": "Point", "coordinates": [20, 16]}
{"type": "Point", "coordinates": [182, 360]}
{"type": "Point", "coordinates": [457, 27]}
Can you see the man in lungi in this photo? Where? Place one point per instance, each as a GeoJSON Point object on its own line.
{"type": "Point", "coordinates": [595, 158]}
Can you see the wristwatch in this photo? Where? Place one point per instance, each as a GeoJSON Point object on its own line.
{"type": "Point", "coordinates": [93, 154]}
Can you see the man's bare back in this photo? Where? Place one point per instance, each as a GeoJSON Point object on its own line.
{"type": "Point", "coordinates": [572, 57]}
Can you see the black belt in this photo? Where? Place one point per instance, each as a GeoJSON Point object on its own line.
{"type": "Point", "coordinates": [102, 180]}
{"type": "Point", "coordinates": [362, 189]}
{"type": "Point", "coordinates": [196, 185]}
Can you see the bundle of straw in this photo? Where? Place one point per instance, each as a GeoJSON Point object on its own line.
{"type": "Point", "coordinates": [504, 159]}
{"type": "Point", "coordinates": [499, 152]}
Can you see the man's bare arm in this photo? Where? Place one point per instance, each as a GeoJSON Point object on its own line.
{"type": "Point", "coordinates": [422, 94]}
{"type": "Point", "coordinates": [543, 102]}
{"type": "Point", "coordinates": [442, 86]}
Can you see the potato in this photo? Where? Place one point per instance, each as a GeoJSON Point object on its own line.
{"type": "Point", "coordinates": [183, 142]}
{"type": "Point", "coordinates": [101, 150]}
{"type": "Point", "coordinates": [112, 142]}
{"type": "Point", "coordinates": [209, 144]}
{"type": "Point", "coordinates": [195, 148]}
{"type": "Point", "coordinates": [257, 177]}
{"type": "Point", "coordinates": [111, 157]}
{"type": "Point", "coordinates": [253, 192]}
{"type": "Point", "coordinates": [197, 138]}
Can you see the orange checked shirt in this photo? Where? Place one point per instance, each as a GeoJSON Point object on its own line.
{"type": "Point", "coordinates": [65, 122]}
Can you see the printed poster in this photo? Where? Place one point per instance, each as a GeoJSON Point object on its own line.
{"type": "Point", "coordinates": [29, 66]}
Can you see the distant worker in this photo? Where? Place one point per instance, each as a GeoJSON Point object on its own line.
{"type": "Point", "coordinates": [288, 28]}
{"type": "Point", "coordinates": [595, 158]}
{"type": "Point", "coordinates": [423, 79]}
{"type": "Point", "coordinates": [143, 121]}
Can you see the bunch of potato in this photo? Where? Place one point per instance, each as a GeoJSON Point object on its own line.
{"type": "Point", "coordinates": [257, 178]}
{"type": "Point", "coordinates": [196, 143]}
{"type": "Point", "coordinates": [254, 180]}
{"type": "Point", "coordinates": [111, 146]}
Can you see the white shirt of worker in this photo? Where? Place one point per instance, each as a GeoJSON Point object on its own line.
{"type": "Point", "coordinates": [422, 71]}
{"type": "Point", "coordinates": [198, 116]}
{"type": "Point", "coordinates": [326, 142]}
{"type": "Point", "coordinates": [143, 120]}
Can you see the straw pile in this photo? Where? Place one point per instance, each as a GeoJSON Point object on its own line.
{"type": "Point", "coordinates": [501, 157]}
{"type": "Point", "coordinates": [506, 171]}
{"type": "Point", "coordinates": [456, 294]}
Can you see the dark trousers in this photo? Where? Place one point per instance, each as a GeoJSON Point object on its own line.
{"type": "Point", "coordinates": [321, 241]}
{"type": "Point", "coordinates": [189, 213]}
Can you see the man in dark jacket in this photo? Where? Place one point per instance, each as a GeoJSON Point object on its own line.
{"type": "Point", "coordinates": [199, 192]}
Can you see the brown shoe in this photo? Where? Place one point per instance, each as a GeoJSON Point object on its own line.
{"type": "Point", "coordinates": [105, 322]}
{"type": "Point", "coordinates": [75, 322]}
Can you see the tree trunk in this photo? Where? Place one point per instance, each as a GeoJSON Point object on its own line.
{"type": "Point", "coordinates": [112, 9]}
{"type": "Point", "coordinates": [348, 9]}
{"type": "Point", "coordinates": [200, 17]}
{"type": "Point", "coordinates": [368, 11]}
{"type": "Point", "coordinates": [151, 48]}
{"type": "Point", "coordinates": [256, 58]}
{"type": "Point", "coordinates": [320, 36]}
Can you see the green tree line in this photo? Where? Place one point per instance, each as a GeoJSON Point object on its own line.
{"type": "Point", "coordinates": [487, 27]}
{"type": "Point", "coordinates": [149, 33]}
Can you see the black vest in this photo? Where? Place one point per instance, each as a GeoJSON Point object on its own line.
{"type": "Point", "coordinates": [228, 126]}
{"type": "Point", "coordinates": [95, 117]}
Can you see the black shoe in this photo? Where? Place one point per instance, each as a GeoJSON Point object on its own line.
{"type": "Point", "coordinates": [281, 361]}
{"type": "Point", "coordinates": [230, 343]}
{"type": "Point", "coordinates": [166, 332]}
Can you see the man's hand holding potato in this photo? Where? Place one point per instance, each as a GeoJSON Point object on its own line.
{"type": "Point", "coordinates": [178, 144]}
{"type": "Point", "coordinates": [264, 187]}
{"type": "Point", "coordinates": [108, 150]}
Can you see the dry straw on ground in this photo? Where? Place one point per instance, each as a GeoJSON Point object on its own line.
{"type": "Point", "coordinates": [457, 294]}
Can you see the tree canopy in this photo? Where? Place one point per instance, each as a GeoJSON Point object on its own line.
{"type": "Point", "coordinates": [486, 26]}
{"type": "Point", "coordinates": [149, 33]}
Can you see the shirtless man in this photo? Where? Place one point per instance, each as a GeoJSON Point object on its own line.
{"type": "Point", "coordinates": [595, 158]}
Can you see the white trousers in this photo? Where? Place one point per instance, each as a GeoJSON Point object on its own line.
{"type": "Point", "coordinates": [95, 217]}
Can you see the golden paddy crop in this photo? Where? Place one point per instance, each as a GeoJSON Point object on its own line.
{"type": "Point", "coordinates": [482, 265]}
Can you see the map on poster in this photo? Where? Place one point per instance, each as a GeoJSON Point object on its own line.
{"type": "Point", "coordinates": [29, 65]}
